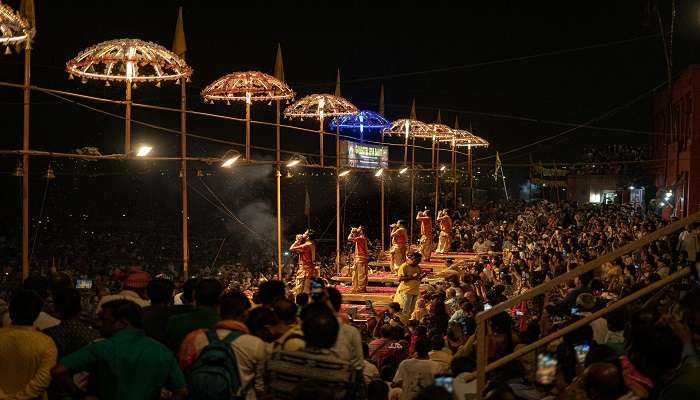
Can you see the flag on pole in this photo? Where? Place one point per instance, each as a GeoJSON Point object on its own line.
{"type": "Point", "coordinates": [179, 43]}
{"type": "Point", "coordinates": [381, 99]}
{"type": "Point", "coordinates": [26, 8]}
{"type": "Point", "coordinates": [279, 64]}
{"type": "Point", "coordinates": [413, 109]}
{"type": "Point", "coordinates": [337, 83]}
{"type": "Point", "coordinates": [498, 168]}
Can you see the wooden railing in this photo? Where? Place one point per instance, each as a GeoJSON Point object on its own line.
{"type": "Point", "coordinates": [482, 318]}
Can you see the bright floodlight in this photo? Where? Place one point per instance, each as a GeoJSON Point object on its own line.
{"type": "Point", "coordinates": [631, 187]}
{"type": "Point", "coordinates": [347, 171]}
{"type": "Point", "coordinates": [230, 161]}
{"type": "Point", "coordinates": [143, 151]}
{"type": "Point", "coordinates": [403, 170]}
{"type": "Point", "coordinates": [442, 168]}
{"type": "Point", "coordinates": [293, 163]}
{"type": "Point", "coordinates": [379, 172]}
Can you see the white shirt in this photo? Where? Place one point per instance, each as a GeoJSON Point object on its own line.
{"type": "Point", "coordinates": [600, 328]}
{"type": "Point", "coordinates": [369, 372]}
{"type": "Point", "coordinates": [462, 389]}
{"type": "Point", "coordinates": [348, 345]}
{"type": "Point", "coordinates": [123, 295]}
{"type": "Point", "coordinates": [414, 375]}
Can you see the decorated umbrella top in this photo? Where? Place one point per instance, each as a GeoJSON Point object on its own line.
{"type": "Point", "coordinates": [408, 127]}
{"type": "Point", "coordinates": [365, 119]}
{"type": "Point", "coordinates": [128, 60]}
{"type": "Point", "coordinates": [320, 106]}
{"type": "Point", "coordinates": [464, 138]}
{"type": "Point", "coordinates": [437, 132]}
{"type": "Point", "coordinates": [13, 27]}
{"type": "Point", "coordinates": [247, 86]}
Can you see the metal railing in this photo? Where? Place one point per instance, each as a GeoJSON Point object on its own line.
{"type": "Point", "coordinates": [482, 365]}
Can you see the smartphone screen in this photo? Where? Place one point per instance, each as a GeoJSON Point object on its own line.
{"type": "Point", "coordinates": [546, 368]}
{"type": "Point", "coordinates": [487, 306]}
{"type": "Point", "coordinates": [582, 351]}
{"type": "Point", "coordinates": [574, 311]}
{"type": "Point", "coordinates": [349, 314]}
{"type": "Point", "coordinates": [83, 284]}
{"type": "Point", "coordinates": [387, 318]}
{"type": "Point", "coordinates": [444, 382]}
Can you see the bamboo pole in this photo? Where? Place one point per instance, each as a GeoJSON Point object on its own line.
{"type": "Point", "coordinates": [247, 128]}
{"type": "Point", "coordinates": [471, 175]}
{"type": "Point", "coordinates": [183, 171]}
{"type": "Point", "coordinates": [127, 119]}
{"type": "Point", "coordinates": [454, 175]}
{"type": "Point", "coordinates": [321, 138]}
{"type": "Point", "coordinates": [381, 200]}
{"type": "Point", "coordinates": [25, 159]}
{"type": "Point", "coordinates": [337, 199]}
{"type": "Point", "coordinates": [413, 179]}
{"type": "Point", "coordinates": [278, 190]}
{"type": "Point", "coordinates": [437, 180]}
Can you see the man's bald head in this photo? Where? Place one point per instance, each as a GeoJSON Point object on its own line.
{"type": "Point", "coordinates": [603, 381]}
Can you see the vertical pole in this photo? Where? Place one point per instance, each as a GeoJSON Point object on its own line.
{"type": "Point", "coordinates": [432, 165]}
{"type": "Point", "coordinates": [405, 147]}
{"type": "Point", "coordinates": [247, 129]}
{"type": "Point", "coordinates": [337, 199]}
{"type": "Point", "coordinates": [127, 126]}
{"type": "Point", "coordinates": [480, 359]}
{"type": "Point", "coordinates": [413, 179]}
{"type": "Point", "coordinates": [183, 169]}
{"type": "Point", "coordinates": [437, 180]}
{"type": "Point", "coordinates": [454, 175]}
{"type": "Point", "coordinates": [471, 175]}
{"type": "Point", "coordinates": [381, 200]}
{"type": "Point", "coordinates": [320, 140]}
{"type": "Point", "coordinates": [25, 161]}
{"type": "Point", "coordinates": [278, 184]}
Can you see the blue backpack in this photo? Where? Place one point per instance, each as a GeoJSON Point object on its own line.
{"type": "Point", "coordinates": [214, 375]}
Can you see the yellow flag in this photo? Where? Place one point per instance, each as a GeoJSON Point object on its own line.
{"type": "Point", "coordinates": [499, 167]}
{"type": "Point", "coordinates": [413, 109]}
{"type": "Point", "coordinates": [337, 83]}
{"type": "Point", "coordinates": [279, 64]}
{"type": "Point", "coordinates": [26, 8]}
{"type": "Point", "coordinates": [381, 99]}
{"type": "Point", "coordinates": [179, 43]}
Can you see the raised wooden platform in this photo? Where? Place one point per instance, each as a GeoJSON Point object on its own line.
{"type": "Point", "coordinates": [377, 298]}
{"type": "Point", "coordinates": [382, 280]}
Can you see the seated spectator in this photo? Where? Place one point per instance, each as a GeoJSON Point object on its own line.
{"type": "Point", "coordinates": [40, 286]}
{"type": "Point", "coordinates": [604, 381]}
{"type": "Point", "coordinates": [348, 346]}
{"type": "Point", "coordinates": [126, 364]}
{"type": "Point", "coordinates": [421, 310]}
{"type": "Point", "coordinates": [416, 373]}
{"type": "Point", "coordinates": [134, 290]}
{"type": "Point", "coordinates": [203, 316]}
{"type": "Point", "coordinates": [369, 370]}
{"type": "Point", "coordinates": [377, 390]}
{"type": "Point", "coordinates": [288, 371]}
{"type": "Point", "coordinates": [386, 350]}
{"type": "Point", "coordinates": [72, 333]}
{"type": "Point", "coordinates": [586, 304]}
{"type": "Point", "coordinates": [249, 350]}
{"type": "Point", "coordinates": [464, 371]}
{"type": "Point", "coordinates": [26, 355]}
{"type": "Point", "coordinates": [439, 354]}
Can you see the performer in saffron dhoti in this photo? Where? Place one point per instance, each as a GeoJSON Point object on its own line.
{"type": "Point", "coordinates": [399, 244]}
{"type": "Point", "coordinates": [306, 248]}
{"type": "Point", "coordinates": [359, 266]}
{"type": "Point", "coordinates": [426, 234]}
{"type": "Point", "coordinates": [445, 240]}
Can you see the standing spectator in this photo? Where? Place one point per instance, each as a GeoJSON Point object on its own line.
{"type": "Point", "coordinates": [72, 333]}
{"type": "Point", "coordinates": [155, 316]}
{"type": "Point", "coordinates": [26, 356]}
{"type": "Point", "coordinates": [416, 373]}
{"type": "Point", "coordinates": [249, 350]}
{"type": "Point", "coordinates": [292, 338]}
{"type": "Point", "coordinates": [203, 316]}
{"type": "Point", "coordinates": [40, 286]}
{"type": "Point", "coordinates": [134, 290]}
{"type": "Point", "coordinates": [271, 291]}
{"type": "Point", "coordinates": [410, 276]}
{"type": "Point", "coordinates": [127, 364]}
{"type": "Point", "coordinates": [186, 297]}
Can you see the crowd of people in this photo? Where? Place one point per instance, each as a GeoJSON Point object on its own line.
{"type": "Point", "coordinates": [612, 159]}
{"type": "Point", "coordinates": [143, 336]}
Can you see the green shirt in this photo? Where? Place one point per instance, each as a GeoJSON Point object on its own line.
{"type": "Point", "coordinates": [180, 325]}
{"type": "Point", "coordinates": [127, 365]}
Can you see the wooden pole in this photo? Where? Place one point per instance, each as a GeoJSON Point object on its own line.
{"type": "Point", "coordinates": [25, 160]}
{"type": "Point", "coordinates": [381, 200]}
{"type": "Point", "coordinates": [413, 179]}
{"type": "Point", "coordinates": [337, 199]}
{"type": "Point", "coordinates": [247, 128]}
{"type": "Point", "coordinates": [471, 175]}
{"type": "Point", "coordinates": [278, 189]}
{"type": "Point", "coordinates": [437, 180]}
{"type": "Point", "coordinates": [454, 175]}
{"type": "Point", "coordinates": [480, 359]}
{"type": "Point", "coordinates": [321, 139]}
{"type": "Point", "coordinates": [183, 171]}
{"type": "Point", "coordinates": [127, 126]}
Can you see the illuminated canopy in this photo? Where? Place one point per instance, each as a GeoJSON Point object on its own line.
{"type": "Point", "coordinates": [130, 60]}
{"type": "Point", "coordinates": [247, 86]}
{"type": "Point", "coordinates": [320, 106]}
{"type": "Point", "coordinates": [13, 27]}
{"type": "Point", "coordinates": [437, 132]}
{"type": "Point", "coordinates": [365, 119]}
{"type": "Point", "coordinates": [464, 138]}
{"type": "Point", "coordinates": [407, 127]}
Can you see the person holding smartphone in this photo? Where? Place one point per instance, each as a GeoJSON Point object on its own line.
{"type": "Point", "coordinates": [410, 276]}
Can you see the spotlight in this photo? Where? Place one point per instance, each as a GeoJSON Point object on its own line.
{"type": "Point", "coordinates": [229, 161]}
{"type": "Point", "coordinates": [343, 173]}
{"type": "Point", "coordinates": [442, 168]}
{"type": "Point", "coordinates": [143, 150]}
{"type": "Point", "coordinates": [403, 170]}
{"type": "Point", "coordinates": [379, 172]}
{"type": "Point", "coordinates": [293, 163]}
{"type": "Point", "coordinates": [631, 188]}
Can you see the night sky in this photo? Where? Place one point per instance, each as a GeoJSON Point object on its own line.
{"type": "Point", "coordinates": [373, 43]}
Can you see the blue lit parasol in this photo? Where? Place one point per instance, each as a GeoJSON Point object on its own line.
{"type": "Point", "coordinates": [369, 121]}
